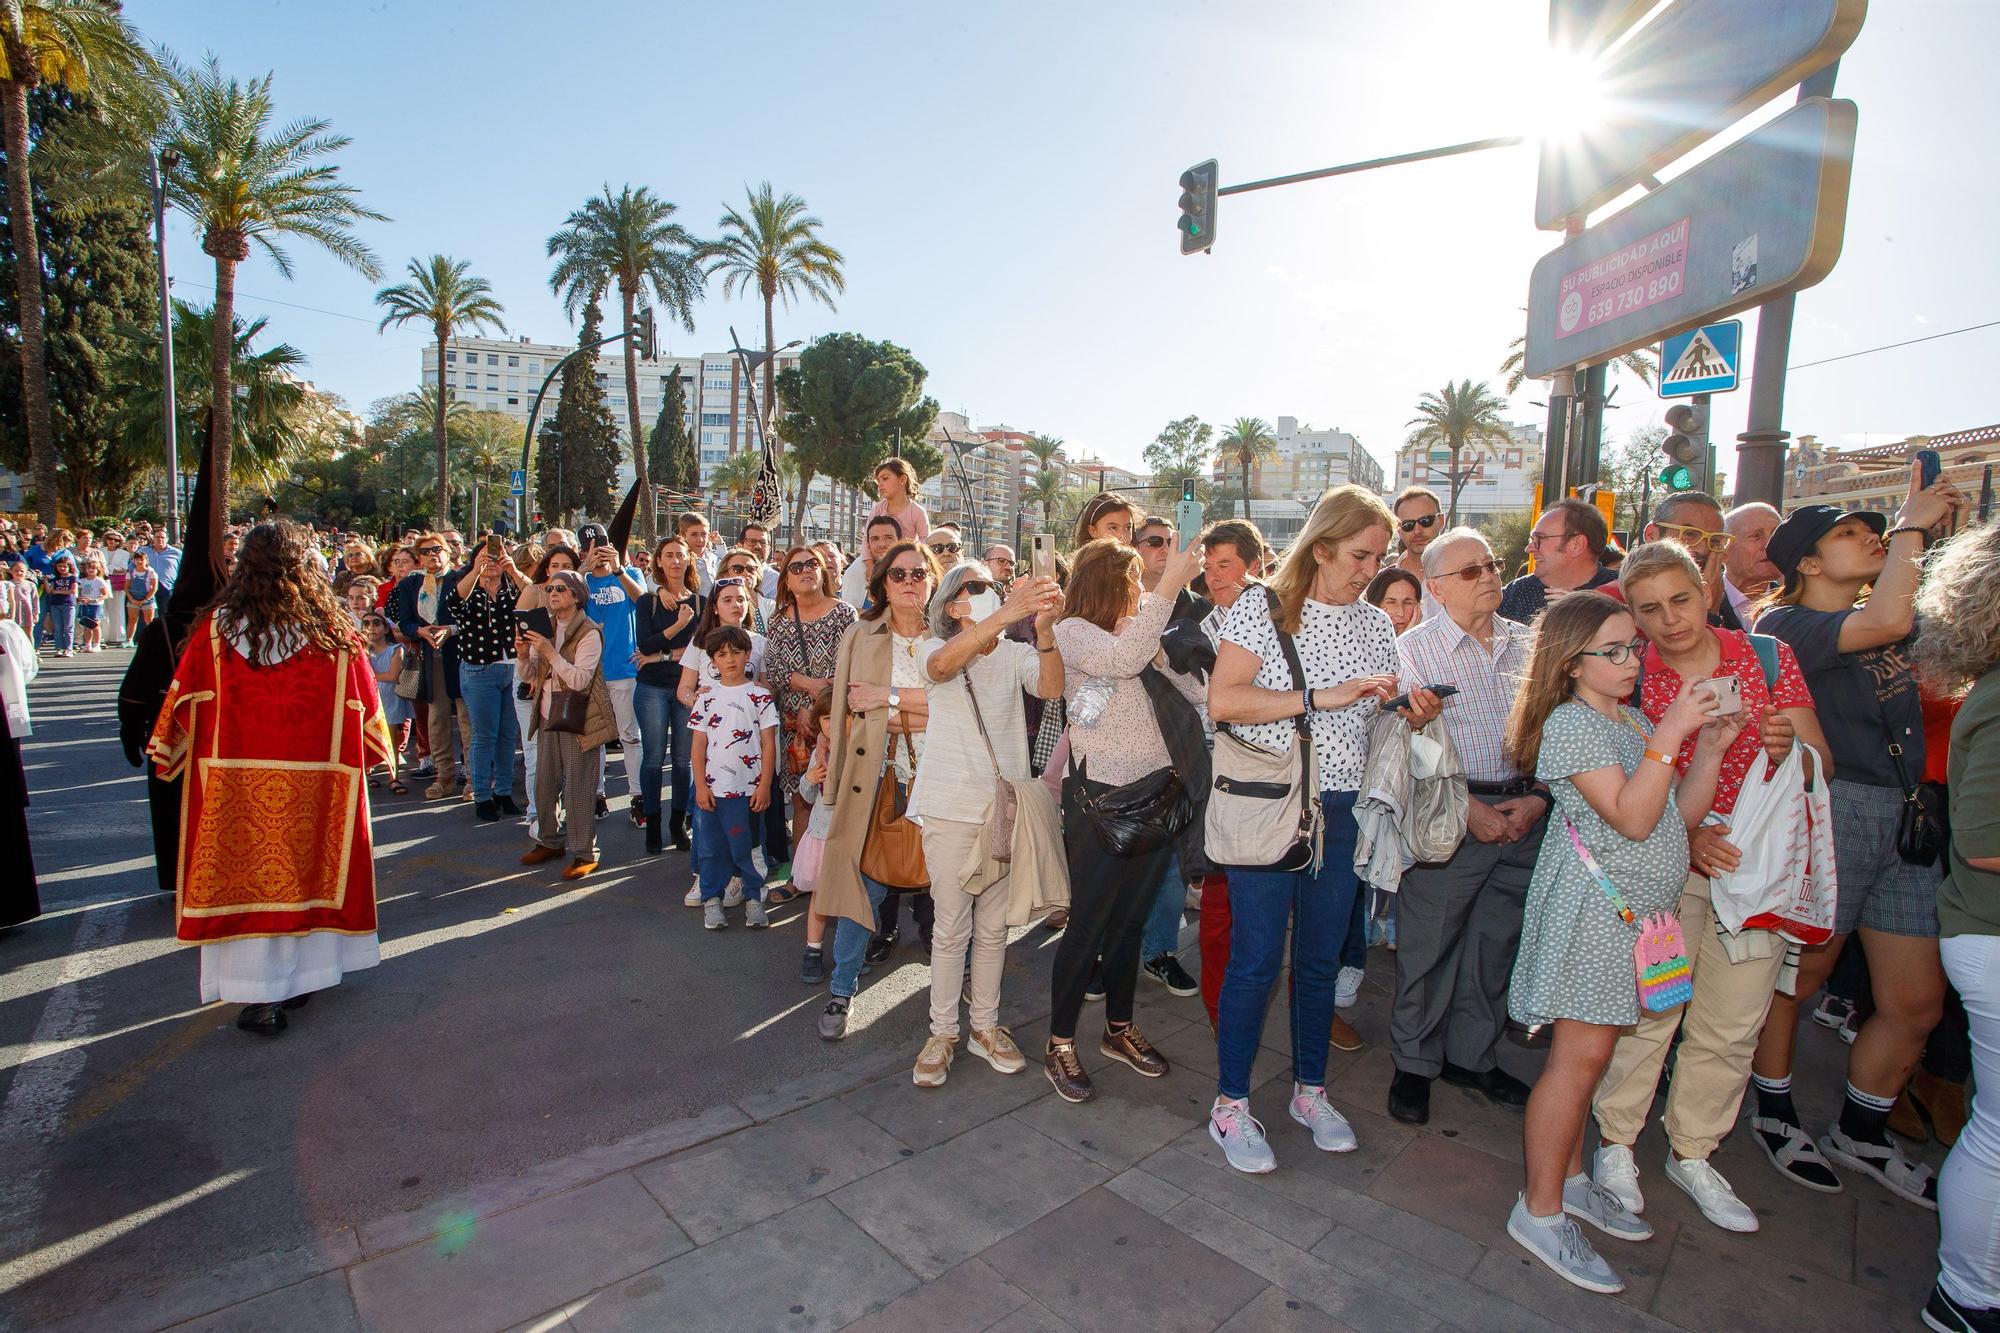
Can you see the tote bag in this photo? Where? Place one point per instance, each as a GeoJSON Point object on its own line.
{"type": "Point", "coordinates": [1785, 882]}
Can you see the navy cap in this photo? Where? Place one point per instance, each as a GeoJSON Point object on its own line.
{"type": "Point", "coordinates": [592, 534]}
{"type": "Point", "coordinates": [1794, 539]}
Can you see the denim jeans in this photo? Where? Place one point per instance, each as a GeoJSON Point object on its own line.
{"type": "Point", "coordinates": [1354, 953]}
{"type": "Point", "coordinates": [727, 834]}
{"type": "Point", "coordinates": [1163, 924]}
{"type": "Point", "coordinates": [62, 624]}
{"type": "Point", "coordinates": [663, 738]}
{"type": "Point", "coordinates": [1261, 904]}
{"type": "Point", "coordinates": [850, 943]}
{"type": "Point", "coordinates": [488, 692]}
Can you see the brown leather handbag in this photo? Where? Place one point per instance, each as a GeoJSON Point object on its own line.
{"type": "Point", "coordinates": [893, 854]}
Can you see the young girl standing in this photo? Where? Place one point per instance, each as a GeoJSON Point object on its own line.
{"type": "Point", "coordinates": [91, 592]}
{"type": "Point", "coordinates": [59, 599]}
{"type": "Point", "coordinates": [1616, 855]}
{"type": "Point", "coordinates": [897, 482]}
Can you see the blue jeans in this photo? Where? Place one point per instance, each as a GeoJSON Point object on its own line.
{"type": "Point", "coordinates": [62, 624]}
{"type": "Point", "coordinates": [1354, 953]}
{"type": "Point", "coordinates": [1162, 932]}
{"type": "Point", "coordinates": [850, 943]}
{"type": "Point", "coordinates": [723, 849]}
{"type": "Point", "coordinates": [1261, 903]}
{"type": "Point", "coordinates": [488, 692]}
{"type": "Point", "coordinates": [663, 738]}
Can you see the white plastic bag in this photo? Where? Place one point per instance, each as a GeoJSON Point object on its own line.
{"type": "Point", "coordinates": [1785, 881]}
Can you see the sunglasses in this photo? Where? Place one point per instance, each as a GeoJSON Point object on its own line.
{"type": "Point", "coordinates": [1412, 524]}
{"type": "Point", "coordinates": [973, 587]}
{"type": "Point", "coordinates": [430, 550]}
{"type": "Point", "coordinates": [1472, 571]}
{"type": "Point", "coordinates": [802, 567]}
{"type": "Point", "coordinates": [946, 548]}
{"type": "Point", "coordinates": [1618, 654]}
{"type": "Point", "coordinates": [730, 581]}
{"type": "Point", "coordinates": [737, 572]}
{"type": "Point", "coordinates": [1155, 541]}
{"type": "Point", "coordinates": [1695, 538]}
{"type": "Point", "coordinates": [903, 574]}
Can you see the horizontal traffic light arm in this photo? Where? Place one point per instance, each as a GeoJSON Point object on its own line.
{"type": "Point", "coordinates": [1452, 150]}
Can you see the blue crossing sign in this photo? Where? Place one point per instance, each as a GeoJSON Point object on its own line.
{"type": "Point", "coordinates": [520, 482]}
{"type": "Point", "coordinates": [1702, 360]}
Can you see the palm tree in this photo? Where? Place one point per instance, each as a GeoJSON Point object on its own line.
{"type": "Point", "coordinates": [1514, 367]}
{"type": "Point", "coordinates": [443, 294]}
{"type": "Point", "coordinates": [1043, 447]}
{"type": "Point", "coordinates": [629, 238]}
{"type": "Point", "coordinates": [1046, 490]}
{"type": "Point", "coordinates": [776, 250]}
{"type": "Point", "coordinates": [242, 181]}
{"type": "Point", "coordinates": [83, 47]}
{"type": "Point", "coordinates": [1461, 416]}
{"type": "Point", "coordinates": [1249, 441]}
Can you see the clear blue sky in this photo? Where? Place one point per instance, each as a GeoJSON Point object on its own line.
{"type": "Point", "coordinates": [1002, 179]}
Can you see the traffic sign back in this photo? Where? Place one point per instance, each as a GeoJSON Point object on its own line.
{"type": "Point", "coordinates": [1703, 360]}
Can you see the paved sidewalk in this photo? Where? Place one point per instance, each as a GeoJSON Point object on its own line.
{"type": "Point", "coordinates": [854, 1199]}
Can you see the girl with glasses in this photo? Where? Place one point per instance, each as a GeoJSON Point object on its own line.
{"type": "Point", "coordinates": [1616, 854]}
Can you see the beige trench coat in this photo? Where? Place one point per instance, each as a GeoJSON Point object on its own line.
{"type": "Point", "coordinates": [856, 750]}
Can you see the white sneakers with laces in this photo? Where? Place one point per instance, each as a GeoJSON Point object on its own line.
{"type": "Point", "coordinates": [1617, 1170]}
{"type": "Point", "coordinates": [1347, 987]}
{"type": "Point", "coordinates": [1711, 1193]}
{"type": "Point", "coordinates": [1241, 1137]}
{"type": "Point", "coordinates": [1588, 1201]}
{"type": "Point", "coordinates": [1330, 1130]}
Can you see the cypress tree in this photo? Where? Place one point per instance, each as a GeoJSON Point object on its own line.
{"type": "Point", "coordinates": [670, 454]}
{"type": "Point", "coordinates": [579, 446]}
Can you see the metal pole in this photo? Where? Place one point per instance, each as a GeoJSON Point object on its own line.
{"type": "Point", "coordinates": [166, 351]}
{"type": "Point", "coordinates": [1452, 150]}
{"type": "Point", "coordinates": [1591, 438]}
{"type": "Point", "coordinates": [528, 435]}
{"type": "Point", "coordinates": [1555, 449]}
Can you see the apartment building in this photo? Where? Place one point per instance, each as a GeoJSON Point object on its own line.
{"type": "Point", "coordinates": [1306, 463]}
{"type": "Point", "coordinates": [1502, 481]}
{"type": "Point", "coordinates": [1878, 477]}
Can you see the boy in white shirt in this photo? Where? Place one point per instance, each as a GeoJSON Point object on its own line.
{"type": "Point", "coordinates": [734, 726]}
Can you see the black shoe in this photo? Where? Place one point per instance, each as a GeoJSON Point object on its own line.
{"type": "Point", "coordinates": [1410, 1098]}
{"type": "Point", "coordinates": [679, 827]}
{"type": "Point", "coordinates": [266, 1020]}
{"type": "Point", "coordinates": [638, 816]}
{"type": "Point", "coordinates": [1167, 970]}
{"type": "Point", "coordinates": [487, 811]}
{"type": "Point", "coordinates": [1093, 989]}
{"type": "Point", "coordinates": [297, 1001]}
{"type": "Point", "coordinates": [602, 808]}
{"type": "Point", "coordinates": [812, 969]}
{"type": "Point", "coordinates": [880, 947]}
{"type": "Point", "coordinates": [507, 806]}
{"type": "Point", "coordinates": [1500, 1087]}
{"type": "Point", "coordinates": [1946, 1315]}
{"type": "Point", "coordinates": [653, 844]}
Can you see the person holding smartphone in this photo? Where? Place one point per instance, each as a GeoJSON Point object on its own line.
{"type": "Point", "coordinates": [666, 620]}
{"type": "Point", "coordinates": [420, 613]}
{"type": "Point", "coordinates": [481, 603]}
{"type": "Point", "coordinates": [615, 589]}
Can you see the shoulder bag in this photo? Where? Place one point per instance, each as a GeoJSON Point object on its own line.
{"type": "Point", "coordinates": [1140, 817]}
{"type": "Point", "coordinates": [1000, 817]}
{"type": "Point", "coordinates": [1920, 826]}
{"type": "Point", "coordinates": [799, 726]}
{"type": "Point", "coordinates": [1263, 806]}
{"type": "Point", "coordinates": [893, 854]}
{"type": "Point", "coordinates": [1660, 967]}
{"type": "Point", "coordinates": [569, 710]}
{"type": "Point", "coordinates": [410, 680]}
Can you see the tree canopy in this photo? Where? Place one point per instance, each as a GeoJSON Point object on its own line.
{"type": "Point", "coordinates": [1181, 450]}
{"type": "Point", "coordinates": [844, 403]}
{"type": "Point", "coordinates": [576, 453]}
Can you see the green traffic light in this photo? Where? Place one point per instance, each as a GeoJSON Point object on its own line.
{"type": "Point", "coordinates": [1677, 477]}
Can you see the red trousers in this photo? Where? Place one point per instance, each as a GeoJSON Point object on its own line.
{"type": "Point", "coordinates": [1214, 941]}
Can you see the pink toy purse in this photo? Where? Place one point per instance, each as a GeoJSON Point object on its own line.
{"type": "Point", "coordinates": [1660, 966]}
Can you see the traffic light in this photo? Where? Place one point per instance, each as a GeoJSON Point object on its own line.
{"type": "Point", "coordinates": [645, 335]}
{"type": "Point", "coordinates": [1686, 444]}
{"type": "Point", "coordinates": [1677, 477]}
{"type": "Point", "coordinates": [1198, 186]}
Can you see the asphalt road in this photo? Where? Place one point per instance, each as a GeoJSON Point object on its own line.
{"type": "Point", "coordinates": [145, 1139]}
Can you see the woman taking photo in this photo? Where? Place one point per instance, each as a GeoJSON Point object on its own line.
{"type": "Point", "coordinates": [1109, 635]}
{"type": "Point", "coordinates": [897, 483]}
{"type": "Point", "coordinates": [1348, 650]}
{"type": "Point", "coordinates": [566, 771]}
{"type": "Point", "coordinates": [802, 642]}
{"type": "Point", "coordinates": [532, 596]}
{"type": "Point", "coordinates": [665, 620]}
{"type": "Point", "coordinates": [880, 710]}
{"type": "Point", "coordinates": [977, 735]}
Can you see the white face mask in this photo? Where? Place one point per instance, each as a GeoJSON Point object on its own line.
{"type": "Point", "coordinates": [983, 604]}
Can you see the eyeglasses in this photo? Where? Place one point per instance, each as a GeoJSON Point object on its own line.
{"type": "Point", "coordinates": [1618, 654]}
{"type": "Point", "coordinates": [1156, 540]}
{"type": "Point", "coordinates": [946, 548]}
{"type": "Point", "coordinates": [1472, 572]}
{"type": "Point", "coordinates": [730, 581]}
{"type": "Point", "coordinates": [1695, 538]}
{"type": "Point", "coordinates": [1412, 524]}
{"type": "Point", "coordinates": [1537, 538]}
{"type": "Point", "coordinates": [737, 571]}
{"type": "Point", "coordinates": [904, 574]}
{"type": "Point", "coordinates": [802, 567]}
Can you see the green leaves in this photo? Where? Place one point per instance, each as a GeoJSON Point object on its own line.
{"type": "Point", "coordinates": [844, 403]}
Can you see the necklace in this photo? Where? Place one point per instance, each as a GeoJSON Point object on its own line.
{"type": "Point", "coordinates": [908, 645]}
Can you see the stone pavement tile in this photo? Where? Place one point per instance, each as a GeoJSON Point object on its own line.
{"type": "Point", "coordinates": [1709, 1286]}
{"type": "Point", "coordinates": [1456, 1113]}
{"type": "Point", "coordinates": [1455, 1300]}
{"type": "Point", "coordinates": [747, 1177]}
{"type": "Point", "coordinates": [1527, 1283]}
{"type": "Point", "coordinates": [1239, 1195]}
{"type": "Point", "coordinates": [397, 1230]}
{"type": "Point", "coordinates": [1034, 1317]}
{"type": "Point", "coordinates": [225, 1286]}
{"type": "Point", "coordinates": [1459, 1188]}
{"type": "Point", "coordinates": [969, 1299]}
{"type": "Point", "coordinates": [1895, 1249]}
{"type": "Point", "coordinates": [321, 1304]}
{"type": "Point", "coordinates": [1194, 1047]}
{"type": "Point", "coordinates": [497, 1272]}
{"type": "Point", "coordinates": [1131, 1116]}
{"type": "Point", "coordinates": [1102, 1264]}
{"type": "Point", "coordinates": [1276, 1311]}
{"type": "Point", "coordinates": [827, 1083]}
{"type": "Point", "coordinates": [973, 1094]}
{"type": "Point", "coordinates": [1347, 1298]}
{"type": "Point", "coordinates": [810, 1268]}
{"type": "Point", "coordinates": [946, 1204]}
{"type": "Point", "coordinates": [1148, 1191]}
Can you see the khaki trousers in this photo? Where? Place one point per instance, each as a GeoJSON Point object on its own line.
{"type": "Point", "coordinates": [963, 920]}
{"type": "Point", "coordinates": [566, 779]}
{"type": "Point", "coordinates": [1719, 1029]}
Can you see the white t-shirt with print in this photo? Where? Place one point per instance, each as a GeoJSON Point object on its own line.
{"type": "Point", "coordinates": [696, 660]}
{"type": "Point", "coordinates": [1336, 644]}
{"type": "Point", "coordinates": [92, 592]}
{"type": "Point", "coordinates": [734, 718]}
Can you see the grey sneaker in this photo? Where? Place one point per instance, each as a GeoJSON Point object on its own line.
{"type": "Point", "coordinates": [1558, 1243]}
{"type": "Point", "coordinates": [1330, 1130]}
{"type": "Point", "coordinates": [711, 915]}
{"type": "Point", "coordinates": [733, 895]}
{"type": "Point", "coordinates": [1241, 1137]}
{"type": "Point", "coordinates": [754, 915]}
{"type": "Point", "coordinates": [833, 1019]}
{"type": "Point", "coordinates": [1347, 987]}
{"type": "Point", "coordinates": [1588, 1201]}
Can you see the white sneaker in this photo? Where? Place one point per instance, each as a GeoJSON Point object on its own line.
{"type": "Point", "coordinates": [1617, 1170]}
{"type": "Point", "coordinates": [1588, 1201]}
{"type": "Point", "coordinates": [1558, 1242]}
{"type": "Point", "coordinates": [1347, 987]}
{"type": "Point", "coordinates": [754, 915]}
{"type": "Point", "coordinates": [733, 895]}
{"type": "Point", "coordinates": [1711, 1193]}
{"type": "Point", "coordinates": [1331, 1132]}
{"type": "Point", "coordinates": [1242, 1138]}
{"type": "Point", "coordinates": [693, 898]}
{"type": "Point", "coordinates": [712, 917]}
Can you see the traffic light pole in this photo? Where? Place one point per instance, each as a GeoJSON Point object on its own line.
{"type": "Point", "coordinates": [1451, 150]}
{"type": "Point", "coordinates": [528, 436]}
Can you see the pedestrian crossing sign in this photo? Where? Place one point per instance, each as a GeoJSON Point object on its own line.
{"type": "Point", "coordinates": [1701, 360]}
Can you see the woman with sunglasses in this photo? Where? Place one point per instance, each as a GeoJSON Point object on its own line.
{"type": "Point", "coordinates": [897, 484]}
{"type": "Point", "coordinates": [552, 559]}
{"type": "Point", "coordinates": [665, 620]}
{"type": "Point", "coordinates": [804, 640]}
{"type": "Point", "coordinates": [880, 710]}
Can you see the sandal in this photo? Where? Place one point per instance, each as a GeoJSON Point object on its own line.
{"type": "Point", "coordinates": [398, 786]}
{"type": "Point", "coordinates": [1911, 1180]}
{"type": "Point", "coordinates": [781, 894]}
{"type": "Point", "coordinates": [1796, 1156]}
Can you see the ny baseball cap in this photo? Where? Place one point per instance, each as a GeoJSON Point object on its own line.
{"type": "Point", "coordinates": [592, 534]}
{"type": "Point", "coordinates": [1794, 539]}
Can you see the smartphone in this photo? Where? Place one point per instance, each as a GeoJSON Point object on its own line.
{"type": "Point", "coordinates": [1441, 691]}
{"type": "Point", "coordinates": [494, 546]}
{"type": "Point", "coordinates": [1726, 690]}
{"type": "Point", "coordinates": [1187, 516]}
{"type": "Point", "coordinates": [537, 621]}
{"type": "Point", "coordinates": [1933, 466]}
{"type": "Point", "coordinates": [1045, 555]}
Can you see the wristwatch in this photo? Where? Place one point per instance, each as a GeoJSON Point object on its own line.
{"type": "Point", "coordinates": [895, 700]}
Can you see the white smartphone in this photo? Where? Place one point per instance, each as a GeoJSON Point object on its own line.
{"type": "Point", "coordinates": [1045, 555]}
{"type": "Point", "coordinates": [1726, 690]}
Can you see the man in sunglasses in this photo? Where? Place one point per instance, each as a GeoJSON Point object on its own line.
{"type": "Point", "coordinates": [1692, 520]}
{"type": "Point", "coordinates": [1458, 923]}
{"type": "Point", "coordinates": [946, 545]}
{"type": "Point", "coordinates": [1419, 519]}
{"type": "Point", "coordinates": [756, 539]}
{"type": "Point", "coordinates": [1567, 545]}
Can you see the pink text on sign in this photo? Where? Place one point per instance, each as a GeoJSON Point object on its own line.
{"type": "Point", "coordinates": [1650, 270]}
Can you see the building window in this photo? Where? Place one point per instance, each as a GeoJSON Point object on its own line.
{"type": "Point", "coordinates": [513, 402]}
{"type": "Point", "coordinates": [534, 365]}
{"type": "Point", "coordinates": [514, 361]}
{"type": "Point", "coordinates": [492, 359]}
{"type": "Point", "coordinates": [451, 357]}
{"type": "Point", "coordinates": [492, 384]}
{"type": "Point", "coordinates": [715, 418]}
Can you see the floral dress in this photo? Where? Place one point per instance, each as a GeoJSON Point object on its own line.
{"type": "Point", "coordinates": [807, 648]}
{"type": "Point", "coordinates": [1575, 959]}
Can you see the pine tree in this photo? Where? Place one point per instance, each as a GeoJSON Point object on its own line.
{"type": "Point", "coordinates": [99, 292]}
{"type": "Point", "coordinates": [578, 448]}
{"type": "Point", "coordinates": [670, 455]}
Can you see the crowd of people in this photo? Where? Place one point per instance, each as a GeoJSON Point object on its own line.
{"type": "Point", "coordinates": [1003, 739]}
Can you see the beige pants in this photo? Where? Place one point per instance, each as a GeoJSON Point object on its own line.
{"type": "Point", "coordinates": [1719, 1029]}
{"type": "Point", "coordinates": [961, 920]}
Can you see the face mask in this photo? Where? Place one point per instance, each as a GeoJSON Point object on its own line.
{"type": "Point", "coordinates": [981, 605]}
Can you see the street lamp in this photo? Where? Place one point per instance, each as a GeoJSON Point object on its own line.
{"type": "Point", "coordinates": [157, 165]}
{"type": "Point", "coordinates": [752, 361]}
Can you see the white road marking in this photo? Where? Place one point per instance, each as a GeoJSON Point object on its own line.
{"type": "Point", "coordinates": [69, 1249]}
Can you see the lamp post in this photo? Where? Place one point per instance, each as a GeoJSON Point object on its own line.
{"type": "Point", "coordinates": [157, 164]}
{"type": "Point", "coordinates": [752, 362]}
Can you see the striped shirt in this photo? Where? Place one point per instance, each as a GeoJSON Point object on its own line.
{"type": "Point", "coordinates": [1438, 652]}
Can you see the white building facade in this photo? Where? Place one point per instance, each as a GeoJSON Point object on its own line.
{"type": "Point", "coordinates": [1502, 481]}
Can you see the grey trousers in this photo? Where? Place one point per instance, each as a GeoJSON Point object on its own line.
{"type": "Point", "coordinates": [1458, 926]}
{"type": "Point", "coordinates": [566, 775]}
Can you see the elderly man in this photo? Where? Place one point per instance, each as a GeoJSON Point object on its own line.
{"type": "Point", "coordinates": [1458, 922]}
{"type": "Point", "coordinates": [1747, 569]}
{"type": "Point", "coordinates": [1692, 520]}
{"type": "Point", "coordinates": [1567, 543]}
{"type": "Point", "coordinates": [883, 532]}
{"type": "Point", "coordinates": [422, 615]}
{"type": "Point", "coordinates": [946, 544]}
{"type": "Point", "coordinates": [1000, 563]}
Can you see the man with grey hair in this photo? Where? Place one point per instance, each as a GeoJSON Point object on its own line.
{"type": "Point", "coordinates": [1458, 922]}
{"type": "Point", "coordinates": [1692, 520]}
{"type": "Point", "coordinates": [1747, 569]}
